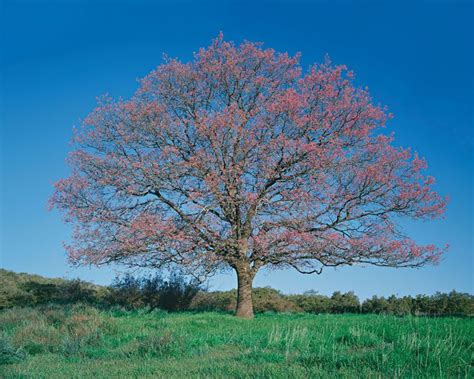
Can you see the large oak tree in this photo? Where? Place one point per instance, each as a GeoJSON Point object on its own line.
{"type": "Point", "coordinates": [241, 160]}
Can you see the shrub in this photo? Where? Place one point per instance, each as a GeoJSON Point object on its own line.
{"type": "Point", "coordinates": [344, 303]}
{"type": "Point", "coordinates": [264, 299]}
{"type": "Point", "coordinates": [270, 300]}
{"type": "Point", "coordinates": [154, 345]}
{"type": "Point", "coordinates": [223, 301]}
{"type": "Point", "coordinates": [173, 294]}
{"type": "Point", "coordinates": [178, 294]}
{"type": "Point", "coordinates": [20, 289]}
{"type": "Point", "coordinates": [85, 326]}
{"type": "Point", "coordinates": [37, 337]}
{"type": "Point", "coordinates": [53, 314]}
{"type": "Point", "coordinates": [126, 291]}
{"type": "Point", "coordinates": [311, 302]}
{"type": "Point", "coordinates": [8, 354]}
{"type": "Point", "coordinates": [439, 304]}
{"type": "Point", "coordinates": [11, 317]}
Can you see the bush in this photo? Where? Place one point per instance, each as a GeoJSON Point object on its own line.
{"type": "Point", "coordinates": [311, 302]}
{"type": "Point", "coordinates": [14, 316]}
{"type": "Point", "coordinates": [126, 291]}
{"type": "Point", "coordinates": [270, 300]}
{"type": "Point", "coordinates": [24, 289]}
{"type": "Point", "coordinates": [178, 294]}
{"type": "Point", "coordinates": [37, 337]}
{"type": "Point", "coordinates": [439, 304]}
{"type": "Point", "coordinates": [154, 345]}
{"type": "Point", "coordinates": [8, 354]}
{"type": "Point", "coordinates": [220, 301]}
{"type": "Point", "coordinates": [174, 294]}
{"type": "Point", "coordinates": [344, 303]}
{"type": "Point", "coordinates": [264, 299]}
{"type": "Point", "coordinates": [84, 328]}
{"type": "Point", "coordinates": [54, 329]}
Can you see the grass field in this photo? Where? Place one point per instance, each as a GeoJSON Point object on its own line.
{"type": "Point", "coordinates": [83, 342]}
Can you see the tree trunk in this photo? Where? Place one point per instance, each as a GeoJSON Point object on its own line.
{"type": "Point", "coordinates": [244, 293]}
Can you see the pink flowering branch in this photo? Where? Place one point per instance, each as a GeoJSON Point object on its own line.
{"type": "Point", "coordinates": [240, 160]}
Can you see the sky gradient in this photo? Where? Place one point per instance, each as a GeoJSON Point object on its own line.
{"type": "Point", "coordinates": [58, 56]}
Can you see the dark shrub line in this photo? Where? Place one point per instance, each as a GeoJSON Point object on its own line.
{"type": "Point", "coordinates": [176, 293]}
{"type": "Point", "coordinates": [173, 294]}
{"type": "Point", "coordinates": [269, 299]}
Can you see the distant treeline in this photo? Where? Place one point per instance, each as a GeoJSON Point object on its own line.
{"type": "Point", "coordinates": [176, 293]}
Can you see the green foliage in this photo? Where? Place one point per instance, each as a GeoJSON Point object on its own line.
{"type": "Point", "coordinates": [154, 345]}
{"type": "Point", "coordinates": [344, 302]}
{"type": "Point", "coordinates": [149, 344]}
{"type": "Point", "coordinates": [264, 299]}
{"type": "Point", "coordinates": [311, 302]}
{"type": "Point", "coordinates": [174, 294]}
{"type": "Point", "coordinates": [439, 304]}
{"type": "Point", "coordinates": [8, 354]}
{"type": "Point", "coordinates": [223, 301]}
{"type": "Point", "coordinates": [20, 289]}
{"type": "Point", "coordinates": [37, 337]}
{"type": "Point", "coordinates": [270, 300]}
{"type": "Point", "coordinates": [178, 294]}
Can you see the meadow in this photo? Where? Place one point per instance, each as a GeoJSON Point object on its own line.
{"type": "Point", "coordinates": [81, 341]}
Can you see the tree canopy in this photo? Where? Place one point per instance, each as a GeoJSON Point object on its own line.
{"type": "Point", "coordinates": [240, 159]}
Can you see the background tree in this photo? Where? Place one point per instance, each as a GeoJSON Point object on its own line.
{"type": "Point", "coordinates": [239, 160]}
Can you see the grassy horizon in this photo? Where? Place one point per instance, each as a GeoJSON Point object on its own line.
{"type": "Point", "coordinates": [81, 341]}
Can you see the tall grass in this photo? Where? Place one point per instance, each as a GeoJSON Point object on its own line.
{"type": "Point", "coordinates": [80, 341]}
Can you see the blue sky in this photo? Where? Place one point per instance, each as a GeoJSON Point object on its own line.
{"type": "Point", "coordinates": [57, 56]}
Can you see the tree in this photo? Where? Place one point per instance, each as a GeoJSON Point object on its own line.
{"type": "Point", "coordinates": [239, 160]}
{"type": "Point", "coordinates": [345, 302]}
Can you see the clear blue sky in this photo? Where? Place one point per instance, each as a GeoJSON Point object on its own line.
{"type": "Point", "coordinates": [57, 56]}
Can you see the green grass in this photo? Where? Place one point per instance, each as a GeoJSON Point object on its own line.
{"type": "Point", "coordinates": [82, 342]}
